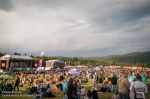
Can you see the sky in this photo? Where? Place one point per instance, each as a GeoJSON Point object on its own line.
{"type": "Point", "coordinates": [74, 27]}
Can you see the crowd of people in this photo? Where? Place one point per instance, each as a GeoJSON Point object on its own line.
{"type": "Point", "coordinates": [102, 81]}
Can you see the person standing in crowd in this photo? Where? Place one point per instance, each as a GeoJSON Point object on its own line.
{"type": "Point", "coordinates": [101, 79]}
{"type": "Point", "coordinates": [138, 89]}
{"type": "Point", "coordinates": [70, 89]}
{"type": "Point", "coordinates": [95, 81]}
{"type": "Point", "coordinates": [124, 86]}
{"type": "Point", "coordinates": [114, 83]}
{"type": "Point", "coordinates": [42, 93]}
{"type": "Point", "coordinates": [83, 91]}
{"type": "Point", "coordinates": [94, 94]}
{"type": "Point", "coordinates": [17, 83]}
{"type": "Point", "coordinates": [32, 80]}
{"type": "Point", "coordinates": [88, 95]}
{"type": "Point", "coordinates": [91, 77]}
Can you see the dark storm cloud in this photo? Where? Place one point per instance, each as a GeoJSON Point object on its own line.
{"type": "Point", "coordinates": [130, 15]}
{"type": "Point", "coordinates": [120, 18]}
{"type": "Point", "coordinates": [7, 5]}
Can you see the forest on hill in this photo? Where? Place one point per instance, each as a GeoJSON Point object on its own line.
{"type": "Point", "coordinates": [130, 59]}
{"type": "Point", "coordinates": [136, 58]}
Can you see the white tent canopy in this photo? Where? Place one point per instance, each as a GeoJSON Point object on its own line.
{"type": "Point", "coordinates": [75, 70]}
{"type": "Point", "coordinates": [75, 73]}
{"type": "Point", "coordinates": [97, 68]}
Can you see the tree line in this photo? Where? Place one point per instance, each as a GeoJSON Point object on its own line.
{"type": "Point", "coordinates": [73, 61]}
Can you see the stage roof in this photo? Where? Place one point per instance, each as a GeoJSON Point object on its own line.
{"type": "Point", "coordinates": [16, 57]}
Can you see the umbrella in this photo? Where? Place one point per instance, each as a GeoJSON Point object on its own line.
{"type": "Point", "coordinates": [7, 77]}
{"type": "Point", "coordinates": [131, 78]}
{"type": "Point", "coordinates": [54, 89]}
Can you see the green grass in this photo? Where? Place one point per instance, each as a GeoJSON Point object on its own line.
{"type": "Point", "coordinates": [60, 94]}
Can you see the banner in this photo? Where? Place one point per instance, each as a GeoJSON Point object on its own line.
{"type": "Point", "coordinates": [40, 62]}
{"type": "Point", "coordinates": [3, 65]}
{"type": "Point", "coordinates": [35, 64]}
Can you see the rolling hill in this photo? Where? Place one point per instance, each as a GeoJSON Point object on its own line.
{"type": "Point", "coordinates": [133, 58]}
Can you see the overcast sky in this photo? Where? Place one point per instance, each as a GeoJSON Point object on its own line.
{"type": "Point", "coordinates": [74, 27]}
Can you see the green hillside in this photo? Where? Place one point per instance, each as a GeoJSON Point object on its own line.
{"type": "Point", "coordinates": [133, 58]}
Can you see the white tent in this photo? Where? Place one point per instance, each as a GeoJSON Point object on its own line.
{"type": "Point", "coordinates": [75, 73]}
{"type": "Point", "coordinates": [97, 68]}
{"type": "Point", "coordinates": [75, 70]}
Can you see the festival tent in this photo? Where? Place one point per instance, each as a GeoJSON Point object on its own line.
{"type": "Point", "coordinates": [97, 68]}
{"type": "Point", "coordinates": [75, 70]}
{"type": "Point", "coordinates": [90, 69]}
{"type": "Point", "coordinates": [114, 67]}
{"type": "Point", "coordinates": [58, 69]}
{"type": "Point", "coordinates": [132, 67]}
{"type": "Point", "coordinates": [75, 73]}
{"type": "Point", "coordinates": [16, 63]}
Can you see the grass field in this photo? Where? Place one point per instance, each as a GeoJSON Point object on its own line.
{"type": "Point", "coordinates": [60, 94]}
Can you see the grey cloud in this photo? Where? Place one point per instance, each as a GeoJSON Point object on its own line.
{"type": "Point", "coordinates": [120, 18]}
{"type": "Point", "coordinates": [75, 28]}
{"type": "Point", "coordinates": [7, 5]}
{"type": "Point", "coordinates": [130, 15]}
{"type": "Point", "coordinates": [93, 52]}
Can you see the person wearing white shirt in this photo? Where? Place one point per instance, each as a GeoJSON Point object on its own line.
{"type": "Point", "coordinates": [83, 91]}
{"type": "Point", "coordinates": [138, 89]}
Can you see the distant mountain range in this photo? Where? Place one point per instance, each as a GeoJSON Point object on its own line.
{"type": "Point", "coordinates": [133, 58]}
